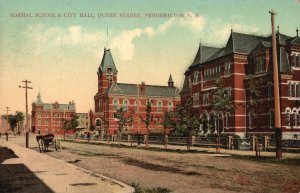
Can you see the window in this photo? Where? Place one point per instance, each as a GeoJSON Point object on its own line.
{"type": "Point", "coordinates": [116, 104]}
{"type": "Point", "coordinates": [250, 119]}
{"type": "Point", "coordinates": [287, 118]}
{"type": "Point", "coordinates": [205, 99]}
{"type": "Point", "coordinates": [100, 105]}
{"type": "Point", "coordinates": [46, 122]}
{"type": "Point", "coordinates": [298, 90]}
{"type": "Point", "coordinates": [46, 130]}
{"type": "Point", "coordinates": [272, 119]}
{"type": "Point", "coordinates": [159, 106]}
{"type": "Point", "coordinates": [259, 64]}
{"type": "Point", "coordinates": [298, 119]}
{"type": "Point", "coordinates": [39, 122]}
{"type": "Point", "coordinates": [227, 69]}
{"type": "Point", "coordinates": [158, 121]}
{"type": "Point", "coordinates": [39, 114]}
{"type": "Point", "coordinates": [294, 118]}
{"type": "Point", "coordinates": [170, 106]}
{"type": "Point", "coordinates": [125, 105]}
{"type": "Point", "coordinates": [294, 60]}
{"type": "Point", "coordinates": [196, 99]}
{"type": "Point", "coordinates": [290, 90]}
{"type": "Point", "coordinates": [270, 91]}
{"type": "Point", "coordinates": [196, 78]}
{"type": "Point", "coordinates": [46, 114]}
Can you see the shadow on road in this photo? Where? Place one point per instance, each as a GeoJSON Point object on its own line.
{"type": "Point", "coordinates": [17, 177]}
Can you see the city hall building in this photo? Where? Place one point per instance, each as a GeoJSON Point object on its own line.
{"type": "Point", "coordinates": [112, 95]}
{"type": "Point", "coordinates": [48, 118]}
{"type": "Point", "coordinates": [244, 62]}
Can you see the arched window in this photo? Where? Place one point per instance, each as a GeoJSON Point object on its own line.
{"type": "Point", "coordinates": [272, 119]}
{"type": "Point", "coordinates": [116, 104]}
{"type": "Point", "coordinates": [250, 120]}
{"type": "Point", "coordinates": [288, 118]}
{"type": "Point", "coordinates": [170, 106]}
{"type": "Point", "coordinates": [294, 118]}
{"type": "Point", "coordinates": [290, 90]}
{"type": "Point", "coordinates": [294, 60]}
{"type": "Point", "coordinates": [159, 106]}
{"type": "Point", "coordinates": [125, 105]}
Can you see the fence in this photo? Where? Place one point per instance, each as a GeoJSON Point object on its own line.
{"type": "Point", "coordinates": [228, 142]}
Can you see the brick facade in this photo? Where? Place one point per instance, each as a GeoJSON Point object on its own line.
{"type": "Point", "coordinates": [112, 95]}
{"type": "Point", "coordinates": [48, 117]}
{"type": "Point", "coordinates": [245, 60]}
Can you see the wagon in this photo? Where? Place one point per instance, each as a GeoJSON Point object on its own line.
{"type": "Point", "coordinates": [46, 141]}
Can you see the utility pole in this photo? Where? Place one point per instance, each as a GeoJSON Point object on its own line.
{"type": "Point", "coordinates": [278, 131]}
{"type": "Point", "coordinates": [26, 100]}
{"type": "Point", "coordinates": [7, 109]}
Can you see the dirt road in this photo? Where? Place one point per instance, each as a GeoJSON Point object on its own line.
{"type": "Point", "coordinates": [185, 172]}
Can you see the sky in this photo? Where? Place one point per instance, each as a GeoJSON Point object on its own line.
{"type": "Point", "coordinates": [60, 55]}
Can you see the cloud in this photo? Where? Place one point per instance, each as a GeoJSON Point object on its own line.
{"type": "Point", "coordinates": [62, 36]}
{"type": "Point", "coordinates": [218, 32]}
{"type": "Point", "coordinates": [123, 42]}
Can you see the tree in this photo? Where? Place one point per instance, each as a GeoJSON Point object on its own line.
{"type": "Point", "coordinates": [120, 115]}
{"type": "Point", "coordinates": [183, 121]}
{"type": "Point", "coordinates": [15, 120]}
{"type": "Point", "coordinates": [220, 104]}
{"type": "Point", "coordinates": [70, 124]}
{"type": "Point", "coordinates": [147, 120]}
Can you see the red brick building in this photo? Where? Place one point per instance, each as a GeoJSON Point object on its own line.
{"type": "Point", "coordinates": [112, 95]}
{"type": "Point", "coordinates": [48, 117]}
{"type": "Point", "coordinates": [245, 61]}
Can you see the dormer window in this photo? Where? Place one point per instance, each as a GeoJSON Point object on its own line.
{"type": "Point", "coordinates": [196, 77]}
{"type": "Point", "coordinates": [259, 64]}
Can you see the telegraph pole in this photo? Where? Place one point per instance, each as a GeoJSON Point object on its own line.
{"type": "Point", "coordinates": [278, 131]}
{"type": "Point", "coordinates": [26, 100]}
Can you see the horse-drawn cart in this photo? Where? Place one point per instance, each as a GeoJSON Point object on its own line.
{"type": "Point", "coordinates": [46, 141]}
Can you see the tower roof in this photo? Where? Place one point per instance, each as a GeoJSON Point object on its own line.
{"type": "Point", "coordinates": [39, 99]}
{"type": "Point", "coordinates": [107, 62]}
{"type": "Point", "coordinates": [171, 79]}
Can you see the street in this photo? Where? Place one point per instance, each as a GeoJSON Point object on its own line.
{"type": "Point", "coordinates": [180, 171]}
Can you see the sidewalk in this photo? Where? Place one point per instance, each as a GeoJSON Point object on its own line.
{"type": "Point", "coordinates": [42, 173]}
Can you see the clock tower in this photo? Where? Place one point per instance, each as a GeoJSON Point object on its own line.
{"type": "Point", "coordinates": [107, 74]}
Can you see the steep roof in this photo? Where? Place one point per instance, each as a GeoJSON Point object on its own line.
{"type": "Point", "coordinates": [203, 54]}
{"type": "Point", "coordinates": [170, 79]}
{"type": "Point", "coordinates": [294, 40]}
{"type": "Point", "coordinates": [185, 87]}
{"type": "Point", "coordinates": [107, 61]}
{"type": "Point", "coordinates": [150, 90]}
